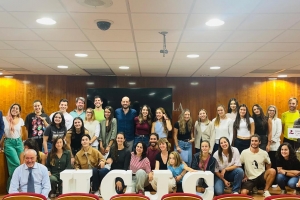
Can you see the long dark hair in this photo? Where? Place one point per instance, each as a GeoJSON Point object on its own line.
{"type": "Point", "coordinates": [144, 153]}
{"type": "Point", "coordinates": [220, 150]}
{"type": "Point", "coordinates": [54, 150]}
{"type": "Point", "coordinates": [114, 147]}
{"type": "Point", "coordinates": [261, 116]}
{"type": "Point", "coordinates": [149, 116]}
{"type": "Point", "coordinates": [63, 121]}
{"type": "Point", "coordinates": [292, 153]}
{"type": "Point", "coordinates": [229, 110]}
{"type": "Point", "coordinates": [35, 101]}
{"type": "Point", "coordinates": [32, 144]}
{"type": "Point", "coordinates": [236, 124]}
{"type": "Point", "coordinates": [110, 117]}
{"type": "Point", "coordinates": [73, 129]}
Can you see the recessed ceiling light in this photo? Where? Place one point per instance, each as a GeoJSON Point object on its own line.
{"type": "Point", "coordinates": [90, 83]}
{"type": "Point", "coordinates": [62, 66]}
{"type": "Point", "coordinates": [192, 56]}
{"type": "Point", "coordinates": [8, 76]}
{"type": "Point", "coordinates": [46, 21]}
{"type": "Point", "coordinates": [282, 76]}
{"type": "Point", "coordinates": [215, 67]}
{"type": "Point", "coordinates": [81, 55]}
{"type": "Point", "coordinates": [123, 67]}
{"type": "Point", "coordinates": [194, 83]}
{"type": "Point", "coordinates": [131, 83]}
{"type": "Point", "coordinates": [151, 94]}
{"type": "Point", "coordinates": [214, 22]}
{"type": "Point", "coordinates": [271, 79]}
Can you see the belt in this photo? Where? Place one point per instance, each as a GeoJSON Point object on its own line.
{"type": "Point", "coordinates": [140, 135]}
{"type": "Point", "coordinates": [186, 140]}
{"type": "Point", "coordinates": [243, 138]}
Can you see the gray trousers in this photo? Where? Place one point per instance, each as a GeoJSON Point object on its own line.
{"type": "Point", "coordinates": [141, 180]}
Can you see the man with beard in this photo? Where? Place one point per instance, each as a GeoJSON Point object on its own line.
{"type": "Point", "coordinates": [63, 106]}
{"type": "Point", "coordinates": [153, 149]}
{"type": "Point", "coordinates": [79, 111]}
{"type": "Point", "coordinates": [257, 167]}
{"type": "Point", "coordinates": [125, 121]}
{"type": "Point", "coordinates": [288, 118]}
{"type": "Point", "coordinates": [99, 112]}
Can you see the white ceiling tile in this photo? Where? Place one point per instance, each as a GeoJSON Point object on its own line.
{"type": "Point", "coordinates": [61, 34]}
{"type": "Point", "coordinates": [229, 6]}
{"type": "Point", "coordinates": [156, 47]}
{"type": "Point", "coordinates": [198, 46]}
{"type": "Point", "coordinates": [253, 63]}
{"type": "Point", "coordinates": [158, 6]}
{"type": "Point", "coordinates": [88, 20]}
{"type": "Point", "coordinates": [93, 66]}
{"type": "Point", "coordinates": [278, 6]}
{"type": "Point", "coordinates": [17, 34]}
{"type": "Point", "coordinates": [288, 36]}
{"type": "Point", "coordinates": [242, 46]}
{"type": "Point", "coordinates": [42, 54]}
{"type": "Point", "coordinates": [6, 65]}
{"type": "Point", "coordinates": [154, 68]}
{"type": "Point", "coordinates": [89, 61]}
{"type": "Point", "coordinates": [30, 45]}
{"type": "Point", "coordinates": [253, 36]}
{"type": "Point", "coordinates": [12, 54]}
{"type": "Point", "coordinates": [269, 21]}
{"type": "Point", "coordinates": [281, 64]}
{"type": "Point", "coordinates": [7, 21]}
{"type": "Point", "coordinates": [229, 55]}
{"type": "Point", "coordinates": [257, 75]}
{"type": "Point", "coordinates": [24, 62]}
{"type": "Point", "coordinates": [231, 21]}
{"type": "Point", "coordinates": [205, 36]}
{"type": "Point", "coordinates": [153, 74]}
{"type": "Point", "coordinates": [184, 67]}
{"type": "Point", "coordinates": [63, 20]}
{"type": "Point", "coordinates": [109, 36]}
{"type": "Point", "coordinates": [280, 47]}
{"type": "Point", "coordinates": [190, 62]}
{"type": "Point", "coordinates": [154, 36]}
{"type": "Point", "coordinates": [202, 55]}
{"type": "Point", "coordinates": [117, 54]}
{"type": "Point", "coordinates": [126, 62]}
{"type": "Point", "coordinates": [71, 54]}
{"type": "Point", "coordinates": [232, 73]}
{"type": "Point", "coordinates": [78, 46]}
{"type": "Point", "coordinates": [5, 46]}
{"type": "Point", "coordinates": [114, 46]}
{"type": "Point", "coordinates": [159, 62]}
{"type": "Point", "coordinates": [295, 67]}
{"type": "Point", "coordinates": [57, 61]}
{"type": "Point", "coordinates": [155, 55]}
{"type": "Point", "coordinates": [32, 5]}
{"type": "Point", "coordinates": [221, 63]}
{"type": "Point", "coordinates": [267, 55]}
{"type": "Point", "coordinates": [74, 6]}
{"type": "Point", "coordinates": [158, 21]}
{"type": "Point", "coordinates": [292, 56]}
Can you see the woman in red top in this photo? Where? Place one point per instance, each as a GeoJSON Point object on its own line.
{"type": "Point", "coordinates": [143, 125]}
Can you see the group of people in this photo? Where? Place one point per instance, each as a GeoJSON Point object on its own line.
{"type": "Point", "coordinates": [104, 139]}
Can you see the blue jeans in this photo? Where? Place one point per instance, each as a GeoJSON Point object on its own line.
{"type": "Point", "coordinates": [141, 138]}
{"type": "Point", "coordinates": [236, 176]}
{"type": "Point", "coordinates": [49, 147]}
{"type": "Point", "coordinates": [283, 180]}
{"type": "Point", "coordinates": [186, 146]}
{"type": "Point", "coordinates": [96, 179]}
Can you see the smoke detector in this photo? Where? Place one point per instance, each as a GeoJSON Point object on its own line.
{"type": "Point", "coordinates": [96, 3]}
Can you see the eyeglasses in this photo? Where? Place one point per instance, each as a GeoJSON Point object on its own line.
{"type": "Point", "coordinates": [271, 110]}
{"type": "Point", "coordinates": [89, 112]}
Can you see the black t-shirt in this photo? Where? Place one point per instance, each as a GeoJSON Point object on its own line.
{"type": "Point", "coordinates": [53, 132]}
{"type": "Point", "coordinates": [162, 165]}
{"type": "Point", "coordinates": [183, 136]}
{"type": "Point", "coordinates": [260, 127]}
{"type": "Point", "coordinates": [76, 142]}
{"type": "Point", "coordinates": [35, 126]}
{"type": "Point", "coordinates": [288, 164]}
{"type": "Point", "coordinates": [123, 161]}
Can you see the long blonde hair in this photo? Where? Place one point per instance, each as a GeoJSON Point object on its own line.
{"type": "Point", "coordinates": [182, 123]}
{"type": "Point", "coordinates": [217, 121]}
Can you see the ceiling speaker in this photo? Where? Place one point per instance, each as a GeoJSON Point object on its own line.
{"type": "Point", "coordinates": [96, 3]}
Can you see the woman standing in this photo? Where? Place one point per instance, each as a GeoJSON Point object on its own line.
{"type": "Point", "coordinates": [288, 168]}
{"type": "Point", "coordinates": [13, 145]}
{"type": "Point", "coordinates": [74, 135]}
{"type": "Point", "coordinates": [143, 125]}
{"type": "Point", "coordinates": [56, 129]}
{"type": "Point", "coordinates": [232, 109]}
{"type": "Point", "coordinates": [228, 168]}
{"type": "Point", "coordinates": [93, 127]}
{"type": "Point", "coordinates": [58, 160]}
{"type": "Point", "coordinates": [243, 128]}
{"type": "Point", "coordinates": [222, 126]}
{"type": "Point", "coordinates": [108, 131]}
{"type": "Point", "coordinates": [32, 144]}
{"type": "Point", "coordinates": [162, 124]}
{"type": "Point", "coordinates": [36, 123]}
{"type": "Point", "coordinates": [204, 161]}
{"type": "Point", "coordinates": [140, 166]}
{"type": "Point", "coordinates": [202, 130]}
{"type": "Point", "coordinates": [183, 136]}
{"type": "Point", "coordinates": [90, 158]}
{"type": "Point", "coordinates": [263, 127]}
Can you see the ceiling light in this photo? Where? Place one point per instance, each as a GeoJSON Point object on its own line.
{"type": "Point", "coordinates": [215, 67]}
{"type": "Point", "coordinates": [214, 22]}
{"type": "Point", "coordinates": [131, 83]}
{"type": "Point", "coordinates": [46, 21]}
{"type": "Point", "coordinates": [8, 76]}
{"type": "Point", "coordinates": [282, 76]}
{"type": "Point", "coordinates": [271, 79]}
{"type": "Point", "coordinates": [81, 55]}
{"type": "Point", "coordinates": [62, 66]}
{"type": "Point", "coordinates": [123, 67]}
{"type": "Point", "coordinates": [193, 56]}
{"type": "Point", "coordinates": [90, 83]}
{"type": "Point", "coordinates": [194, 83]}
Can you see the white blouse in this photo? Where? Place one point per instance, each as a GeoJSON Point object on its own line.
{"type": "Point", "coordinates": [17, 127]}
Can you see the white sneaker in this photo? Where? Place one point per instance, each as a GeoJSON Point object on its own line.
{"type": "Point", "coordinates": [235, 193]}
{"type": "Point", "coordinates": [266, 193]}
{"type": "Point", "coordinates": [97, 193]}
{"type": "Point", "coordinates": [274, 186]}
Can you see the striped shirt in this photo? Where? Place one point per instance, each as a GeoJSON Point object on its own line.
{"type": "Point", "coordinates": [136, 164]}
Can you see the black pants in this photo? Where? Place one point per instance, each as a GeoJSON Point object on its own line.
{"type": "Point", "coordinates": [273, 163]}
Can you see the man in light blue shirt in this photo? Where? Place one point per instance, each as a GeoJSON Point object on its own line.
{"type": "Point", "coordinates": [19, 181]}
{"type": "Point", "coordinates": [79, 111]}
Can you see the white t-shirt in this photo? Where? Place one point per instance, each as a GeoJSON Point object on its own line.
{"type": "Point", "coordinates": [94, 130]}
{"type": "Point", "coordinates": [235, 160]}
{"type": "Point", "coordinates": [203, 126]}
{"type": "Point", "coordinates": [17, 127]}
{"type": "Point", "coordinates": [231, 115]}
{"type": "Point", "coordinates": [225, 129]}
{"type": "Point", "coordinates": [243, 130]}
{"type": "Point", "coordinates": [68, 119]}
